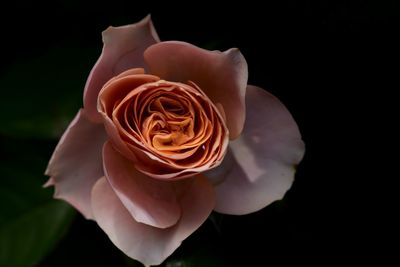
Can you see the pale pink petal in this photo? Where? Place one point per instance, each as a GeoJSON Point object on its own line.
{"type": "Point", "coordinates": [261, 163]}
{"type": "Point", "coordinates": [221, 75]}
{"type": "Point", "coordinates": [145, 243]}
{"type": "Point", "coordinates": [77, 163]}
{"type": "Point", "coordinates": [149, 201]}
{"type": "Point", "coordinates": [123, 49]}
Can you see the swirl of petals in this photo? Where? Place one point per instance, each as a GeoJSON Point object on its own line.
{"type": "Point", "coordinates": [168, 124]}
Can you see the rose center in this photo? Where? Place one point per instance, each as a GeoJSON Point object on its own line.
{"type": "Point", "coordinates": [169, 122]}
{"type": "Point", "coordinates": [174, 125]}
{"type": "Point", "coordinates": [174, 121]}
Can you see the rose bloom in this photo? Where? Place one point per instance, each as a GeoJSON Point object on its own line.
{"type": "Point", "coordinates": [168, 133]}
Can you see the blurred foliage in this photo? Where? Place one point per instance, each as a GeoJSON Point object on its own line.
{"type": "Point", "coordinates": [31, 222]}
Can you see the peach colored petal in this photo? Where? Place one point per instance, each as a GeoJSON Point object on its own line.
{"type": "Point", "coordinates": [184, 137]}
{"type": "Point", "coordinates": [76, 163]}
{"type": "Point", "coordinates": [221, 75]}
{"type": "Point", "coordinates": [221, 110]}
{"type": "Point", "coordinates": [117, 88]}
{"type": "Point", "coordinates": [114, 91]}
{"type": "Point", "coordinates": [128, 72]}
{"type": "Point", "coordinates": [117, 141]}
{"type": "Point", "coordinates": [145, 243]}
{"type": "Point", "coordinates": [123, 49]}
{"type": "Point", "coordinates": [261, 164]}
{"type": "Point", "coordinates": [149, 201]}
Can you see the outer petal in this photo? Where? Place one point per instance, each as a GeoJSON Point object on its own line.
{"type": "Point", "coordinates": [149, 201]}
{"type": "Point", "coordinates": [221, 75]}
{"type": "Point", "coordinates": [145, 243]}
{"type": "Point", "coordinates": [262, 161]}
{"type": "Point", "coordinates": [123, 49]}
{"type": "Point", "coordinates": [76, 163]}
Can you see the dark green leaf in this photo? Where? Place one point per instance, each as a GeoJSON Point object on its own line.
{"type": "Point", "coordinates": [25, 240]}
{"type": "Point", "coordinates": [31, 222]}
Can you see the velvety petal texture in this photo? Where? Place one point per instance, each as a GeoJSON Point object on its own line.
{"type": "Point", "coordinates": [151, 245]}
{"type": "Point", "coordinates": [112, 93]}
{"type": "Point", "coordinates": [221, 75]}
{"type": "Point", "coordinates": [76, 163]}
{"type": "Point", "coordinates": [262, 161]}
{"type": "Point", "coordinates": [149, 201]}
{"type": "Point", "coordinates": [123, 49]}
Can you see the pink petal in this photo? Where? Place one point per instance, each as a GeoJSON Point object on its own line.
{"type": "Point", "coordinates": [149, 201]}
{"type": "Point", "coordinates": [77, 163]}
{"type": "Point", "coordinates": [261, 164]}
{"type": "Point", "coordinates": [221, 75]}
{"type": "Point", "coordinates": [145, 243]}
{"type": "Point", "coordinates": [123, 49]}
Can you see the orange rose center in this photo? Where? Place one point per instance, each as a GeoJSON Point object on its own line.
{"type": "Point", "coordinates": [174, 120]}
{"type": "Point", "coordinates": [174, 124]}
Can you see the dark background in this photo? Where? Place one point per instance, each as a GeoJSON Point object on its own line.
{"type": "Point", "coordinates": [323, 60]}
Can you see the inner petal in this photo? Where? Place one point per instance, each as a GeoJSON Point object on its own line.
{"type": "Point", "coordinates": [167, 104]}
{"type": "Point", "coordinates": [173, 122]}
{"type": "Point", "coordinates": [179, 132]}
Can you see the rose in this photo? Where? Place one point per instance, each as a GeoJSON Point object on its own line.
{"type": "Point", "coordinates": [148, 158]}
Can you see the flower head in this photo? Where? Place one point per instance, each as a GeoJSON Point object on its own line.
{"type": "Point", "coordinates": [168, 133]}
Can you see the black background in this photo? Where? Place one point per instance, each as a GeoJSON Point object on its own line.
{"type": "Point", "coordinates": [323, 60]}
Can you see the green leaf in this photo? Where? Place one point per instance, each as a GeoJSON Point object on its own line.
{"type": "Point", "coordinates": [25, 240]}
{"type": "Point", "coordinates": [31, 221]}
{"type": "Point", "coordinates": [40, 95]}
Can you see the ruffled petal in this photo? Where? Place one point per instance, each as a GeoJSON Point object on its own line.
{"type": "Point", "coordinates": [123, 49]}
{"type": "Point", "coordinates": [221, 75]}
{"type": "Point", "coordinates": [77, 163]}
{"type": "Point", "coordinates": [130, 134]}
{"type": "Point", "coordinates": [261, 164]}
{"type": "Point", "coordinates": [145, 243]}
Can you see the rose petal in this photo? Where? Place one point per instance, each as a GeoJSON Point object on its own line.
{"type": "Point", "coordinates": [76, 163]}
{"type": "Point", "coordinates": [114, 92]}
{"type": "Point", "coordinates": [145, 243]}
{"type": "Point", "coordinates": [262, 163]}
{"type": "Point", "coordinates": [221, 75]}
{"type": "Point", "coordinates": [150, 201]}
{"type": "Point", "coordinates": [118, 87]}
{"type": "Point", "coordinates": [123, 49]}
